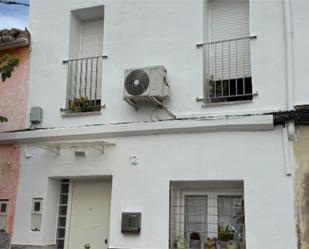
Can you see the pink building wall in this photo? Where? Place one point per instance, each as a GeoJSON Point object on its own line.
{"type": "Point", "coordinates": [13, 105]}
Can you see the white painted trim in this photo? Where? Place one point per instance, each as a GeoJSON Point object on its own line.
{"type": "Point", "coordinates": [250, 123]}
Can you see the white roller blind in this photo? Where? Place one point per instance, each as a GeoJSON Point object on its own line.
{"type": "Point", "coordinates": [92, 38]}
{"type": "Point", "coordinates": [91, 46]}
{"type": "Point", "coordinates": [228, 19]}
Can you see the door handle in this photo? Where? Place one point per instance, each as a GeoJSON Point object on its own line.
{"type": "Point", "coordinates": [105, 241]}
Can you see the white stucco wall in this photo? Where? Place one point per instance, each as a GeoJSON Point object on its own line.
{"type": "Point", "coordinates": [254, 157]}
{"type": "Point", "coordinates": [140, 33]}
{"type": "Point", "coordinates": [301, 39]}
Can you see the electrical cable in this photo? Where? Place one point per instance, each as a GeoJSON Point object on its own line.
{"type": "Point", "coordinates": [13, 2]}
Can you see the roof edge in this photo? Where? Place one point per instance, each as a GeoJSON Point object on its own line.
{"type": "Point", "coordinates": [14, 38]}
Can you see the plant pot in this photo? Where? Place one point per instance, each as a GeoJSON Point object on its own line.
{"type": "Point", "coordinates": [195, 244]}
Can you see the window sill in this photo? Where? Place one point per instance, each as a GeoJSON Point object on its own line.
{"type": "Point", "coordinates": [209, 104]}
{"type": "Point", "coordinates": [67, 113]}
{"type": "Point", "coordinates": [236, 102]}
{"type": "Point", "coordinates": [80, 114]}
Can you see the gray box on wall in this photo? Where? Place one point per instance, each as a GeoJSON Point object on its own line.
{"type": "Point", "coordinates": [36, 114]}
{"type": "Point", "coordinates": [131, 223]}
{"type": "Point", "coordinates": [4, 240]}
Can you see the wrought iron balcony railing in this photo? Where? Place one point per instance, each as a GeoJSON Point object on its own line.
{"type": "Point", "coordinates": [84, 84]}
{"type": "Point", "coordinates": [227, 70]}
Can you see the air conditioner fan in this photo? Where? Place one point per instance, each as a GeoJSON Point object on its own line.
{"type": "Point", "coordinates": [137, 82]}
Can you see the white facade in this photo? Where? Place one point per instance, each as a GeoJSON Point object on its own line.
{"type": "Point", "coordinates": [211, 142]}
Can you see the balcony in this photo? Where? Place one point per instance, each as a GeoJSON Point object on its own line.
{"type": "Point", "coordinates": [227, 70]}
{"type": "Point", "coordinates": [84, 84]}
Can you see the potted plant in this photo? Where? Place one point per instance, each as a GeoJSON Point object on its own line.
{"type": "Point", "coordinates": [181, 243]}
{"type": "Point", "coordinates": [82, 104]}
{"type": "Point", "coordinates": [195, 240]}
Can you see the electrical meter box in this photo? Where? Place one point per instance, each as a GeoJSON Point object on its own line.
{"type": "Point", "coordinates": [4, 240]}
{"type": "Point", "coordinates": [131, 223]}
{"type": "Point", "coordinates": [36, 115]}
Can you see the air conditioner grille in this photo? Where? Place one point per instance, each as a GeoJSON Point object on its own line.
{"type": "Point", "coordinates": [137, 82]}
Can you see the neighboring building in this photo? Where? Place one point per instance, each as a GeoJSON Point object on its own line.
{"type": "Point", "coordinates": [13, 103]}
{"type": "Point", "coordinates": [302, 202]}
{"type": "Point", "coordinates": [145, 158]}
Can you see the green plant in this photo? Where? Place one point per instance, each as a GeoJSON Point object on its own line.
{"type": "Point", "coordinates": [7, 65]}
{"type": "Point", "coordinates": [82, 104]}
{"type": "Point", "coordinates": [181, 243]}
{"type": "Point", "coordinates": [225, 234]}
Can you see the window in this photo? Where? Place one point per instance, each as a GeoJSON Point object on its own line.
{"type": "Point", "coordinates": [85, 65]}
{"type": "Point", "coordinates": [36, 214]}
{"type": "Point", "coordinates": [62, 213]}
{"type": "Point", "coordinates": [4, 205]}
{"type": "Point", "coordinates": [206, 212]}
{"type": "Point", "coordinates": [227, 66]}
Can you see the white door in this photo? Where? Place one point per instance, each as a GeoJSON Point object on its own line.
{"type": "Point", "coordinates": [90, 210]}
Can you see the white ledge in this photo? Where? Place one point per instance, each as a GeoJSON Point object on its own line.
{"type": "Point", "coordinates": [249, 123]}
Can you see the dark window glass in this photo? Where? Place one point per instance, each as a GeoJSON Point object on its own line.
{"type": "Point", "coordinates": [64, 188]}
{"type": "Point", "coordinates": [62, 210]}
{"type": "Point", "coordinates": [60, 243]}
{"type": "Point", "coordinates": [3, 207]}
{"type": "Point", "coordinates": [61, 233]}
{"type": "Point", "coordinates": [61, 221]}
{"type": "Point", "coordinates": [63, 199]}
{"type": "Point", "coordinates": [37, 206]}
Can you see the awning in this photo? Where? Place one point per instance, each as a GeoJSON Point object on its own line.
{"type": "Point", "coordinates": [74, 145]}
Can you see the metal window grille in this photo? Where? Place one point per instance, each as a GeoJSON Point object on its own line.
{"type": "Point", "coordinates": [62, 213]}
{"type": "Point", "coordinates": [206, 214]}
{"type": "Point", "coordinates": [84, 84]}
{"type": "Point", "coordinates": [228, 70]}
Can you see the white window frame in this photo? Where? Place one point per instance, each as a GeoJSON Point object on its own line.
{"type": "Point", "coordinates": [212, 202]}
{"type": "Point", "coordinates": [4, 215]}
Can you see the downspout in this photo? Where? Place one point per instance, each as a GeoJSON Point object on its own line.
{"type": "Point", "coordinates": [289, 133]}
{"type": "Point", "coordinates": [289, 80]}
{"type": "Point", "coordinates": [289, 62]}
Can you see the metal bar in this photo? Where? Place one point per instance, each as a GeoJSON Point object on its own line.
{"type": "Point", "coordinates": [96, 82]}
{"type": "Point", "coordinates": [225, 40]}
{"type": "Point", "coordinates": [80, 77]}
{"type": "Point", "coordinates": [236, 83]}
{"type": "Point", "coordinates": [70, 79]}
{"type": "Point", "coordinates": [208, 73]}
{"type": "Point", "coordinates": [91, 79]}
{"type": "Point", "coordinates": [234, 96]}
{"type": "Point", "coordinates": [86, 76]}
{"type": "Point", "coordinates": [222, 68]}
{"type": "Point", "coordinates": [75, 77]}
{"type": "Point", "coordinates": [82, 58]}
{"type": "Point", "coordinates": [215, 78]}
{"type": "Point", "coordinates": [243, 63]}
{"type": "Point", "coordinates": [229, 65]}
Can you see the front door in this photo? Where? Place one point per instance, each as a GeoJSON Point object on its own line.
{"type": "Point", "coordinates": [90, 210]}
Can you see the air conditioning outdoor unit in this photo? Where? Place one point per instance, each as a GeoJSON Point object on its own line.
{"type": "Point", "coordinates": [146, 84]}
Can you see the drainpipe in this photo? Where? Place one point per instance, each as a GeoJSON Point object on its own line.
{"type": "Point", "coordinates": [289, 62]}
{"type": "Point", "coordinates": [289, 79]}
